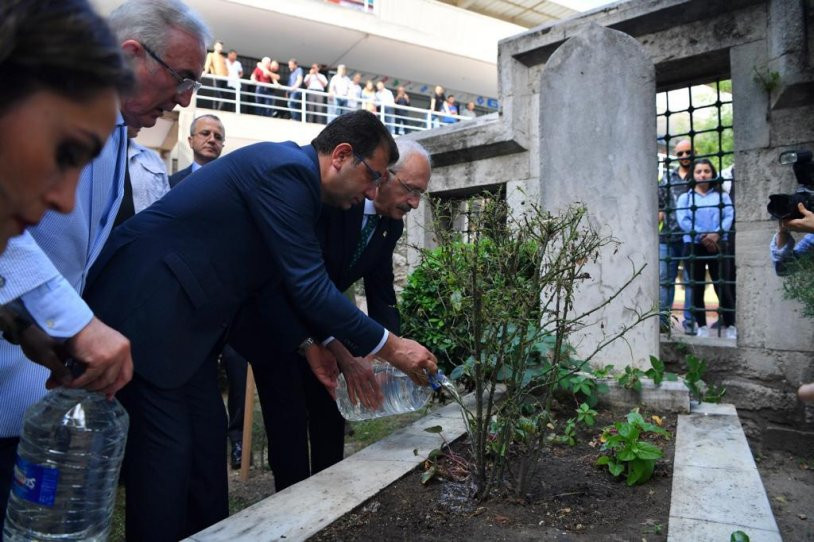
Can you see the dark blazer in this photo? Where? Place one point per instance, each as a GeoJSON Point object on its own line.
{"type": "Point", "coordinates": [258, 332]}
{"type": "Point", "coordinates": [339, 233]}
{"type": "Point", "coordinates": [172, 278]}
{"type": "Point", "coordinates": [179, 176]}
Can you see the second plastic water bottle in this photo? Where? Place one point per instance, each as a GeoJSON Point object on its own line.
{"type": "Point", "coordinates": [400, 393]}
{"type": "Point", "coordinates": [68, 461]}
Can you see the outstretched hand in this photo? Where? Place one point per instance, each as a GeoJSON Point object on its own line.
{"type": "Point", "coordinates": [323, 365]}
{"type": "Point", "coordinates": [106, 355]}
{"type": "Point", "coordinates": [362, 384]}
{"type": "Point", "coordinates": [409, 357]}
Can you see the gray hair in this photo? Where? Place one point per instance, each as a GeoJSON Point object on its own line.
{"type": "Point", "coordinates": [407, 148]}
{"type": "Point", "coordinates": [206, 116]}
{"type": "Point", "coordinates": [148, 20]}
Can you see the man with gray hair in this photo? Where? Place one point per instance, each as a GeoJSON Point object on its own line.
{"type": "Point", "coordinates": [46, 268]}
{"type": "Point", "coordinates": [303, 423]}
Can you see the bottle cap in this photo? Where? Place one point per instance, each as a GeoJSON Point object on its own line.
{"type": "Point", "coordinates": [436, 380]}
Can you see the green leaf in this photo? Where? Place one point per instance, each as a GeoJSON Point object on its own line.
{"type": "Point", "coordinates": [603, 460]}
{"type": "Point", "coordinates": [434, 429]}
{"type": "Point", "coordinates": [646, 450]}
{"type": "Point", "coordinates": [457, 372]}
{"type": "Point", "coordinates": [639, 471]}
{"type": "Point", "coordinates": [626, 455]}
{"type": "Point", "coordinates": [435, 454]}
{"type": "Point", "coordinates": [738, 536]}
{"type": "Point", "coordinates": [428, 475]}
{"type": "Point", "coordinates": [616, 468]}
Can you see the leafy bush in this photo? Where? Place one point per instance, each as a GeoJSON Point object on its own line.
{"type": "Point", "coordinates": [627, 453]}
{"type": "Point", "coordinates": [497, 311]}
{"type": "Point", "coordinates": [798, 283]}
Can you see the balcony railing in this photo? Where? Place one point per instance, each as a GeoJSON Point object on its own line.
{"type": "Point", "coordinates": [312, 106]}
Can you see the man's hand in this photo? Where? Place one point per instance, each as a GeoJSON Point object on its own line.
{"type": "Point", "coordinates": [710, 242]}
{"type": "Point", "coordinates": [409, 357]}
{"type": "Point", "coordinates": [362, 384]}
{"type": "Point", "coordinates": [805, 224]}
{"type": "Point", "coordinates": [106, 355]}
{"type": "Point", "coordinates": [323, 365]}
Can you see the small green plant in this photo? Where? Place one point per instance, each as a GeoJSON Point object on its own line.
{"type": "Point", "coordinates": [586, 415]}
{"type": "Point", "coordinates": [768, 79]}
{"type": "Point", "coordinates": [696, 367]}
{"type": "Point", "coordinates": [739, 536]}
{"type": "Point", "coordinates": [626, 453]}
{"type": "Point", "coordinates": [631, 378]}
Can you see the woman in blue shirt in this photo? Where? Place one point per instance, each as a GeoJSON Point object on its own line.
{"type": "Point", "coordinates": [705, 214]}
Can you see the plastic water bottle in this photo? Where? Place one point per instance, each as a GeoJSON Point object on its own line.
{"type": "Point", "coordinates": [68, 461]}
{"type": "Point", "coordinates": [400, 393]}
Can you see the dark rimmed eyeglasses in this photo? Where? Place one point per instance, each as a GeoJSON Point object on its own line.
{"type": "Point", "coordinates": [411, 190]}
{"type": "Point", "coordinates": [683, 153]}
{"type": "Point", "coordinates": [375, 175]}
{"type": "Point", "coordinates": [185, 84]}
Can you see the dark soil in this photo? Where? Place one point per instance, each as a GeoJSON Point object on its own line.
{"type": "Point", "coordinates": [789, 483]}
{"type": "Point", "coordinates": [570, 499]}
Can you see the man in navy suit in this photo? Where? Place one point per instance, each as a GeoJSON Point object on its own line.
{"type": "Point", "coordinates": [173, 277]}
{"type": "Point", "coordinates": [302, 421]}
{"type": "Point", "coordinates": [206, 139]}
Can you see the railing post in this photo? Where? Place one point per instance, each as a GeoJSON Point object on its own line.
{"type": "Point", "coordinates": [303, 96]}
{"type": "Point", "coordinates": [237, 99]}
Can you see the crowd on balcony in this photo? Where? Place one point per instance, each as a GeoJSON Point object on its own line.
{"type": "Point", "coordinates": [272, 92]}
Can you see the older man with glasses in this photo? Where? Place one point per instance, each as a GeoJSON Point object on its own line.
{"type": "Point", "coordinates": [304, 427]}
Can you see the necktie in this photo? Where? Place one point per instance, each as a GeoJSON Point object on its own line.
{"type": "Point", "coordinates": [372, 222]}
{"type": "Point", "coordinates": [127, 208]}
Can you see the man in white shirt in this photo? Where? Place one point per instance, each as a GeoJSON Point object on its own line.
{"type": "Point", "coordinates": [235, 69]}
{"type": "Point", "coordinates": [386, 101]}
{"type": "Point", "coordinates": [338, 92]}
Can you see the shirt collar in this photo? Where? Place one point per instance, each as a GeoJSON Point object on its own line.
{"type": "Point", "coordinates": [370, 208]}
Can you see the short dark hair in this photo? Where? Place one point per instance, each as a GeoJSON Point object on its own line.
{"type": "Point", "coordinates": [62, 46]}
{"type": "Point", "coordinates": [362, 130]}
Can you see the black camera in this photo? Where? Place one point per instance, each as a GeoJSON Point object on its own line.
{"type": "Point", "coordinates": [782, 206]}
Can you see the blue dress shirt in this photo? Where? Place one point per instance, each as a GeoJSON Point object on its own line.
{"type": "Point", "coordinates": [47, 268]}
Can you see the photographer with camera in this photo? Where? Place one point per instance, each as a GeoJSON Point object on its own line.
{"type": "Point", "coordinates": [783, 249]}
{"type": "Point", "coordinates": [793, 212]}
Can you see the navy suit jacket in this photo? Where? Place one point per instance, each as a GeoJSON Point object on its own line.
{"type": "Point", "coordinates": [257, 330]}
{"type": "Point", "coordinates": [172, 278]}
{"type": "Point", "coordinates": [179, 176]}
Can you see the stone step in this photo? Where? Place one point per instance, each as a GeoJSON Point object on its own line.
{"type": "Point", "coordinates": [716, 485]}
{"type": "Point", "coordinates": [304, 509]}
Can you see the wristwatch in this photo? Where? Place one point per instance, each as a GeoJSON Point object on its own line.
{"type": "Point", "coordinates": [305, 345]}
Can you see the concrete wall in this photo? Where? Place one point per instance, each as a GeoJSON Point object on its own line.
{"type": "Point", "coordinates": [688, 41]}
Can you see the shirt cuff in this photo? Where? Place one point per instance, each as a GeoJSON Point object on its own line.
{"type": "Point", "coordinates": [328, 341]}
{"type": "Point", "coordinates": [379, 346]}
{"type": "Point", "coordinates": [57, 308]}
{"type": "Point", "coordinates": [781, 253]}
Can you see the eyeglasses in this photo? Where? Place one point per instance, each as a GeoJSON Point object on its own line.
{"type": "Point", "coordinates": [683, 153]}
{"type": "Point", "coordinates": [185, 84]}
{"type": "Point", "coordinates": [374, 175]}
{"type": "Point", "coordinates": [411, 190]}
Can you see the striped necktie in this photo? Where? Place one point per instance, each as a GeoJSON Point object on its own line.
{"type": "Point", "coordinates": [370, 225]}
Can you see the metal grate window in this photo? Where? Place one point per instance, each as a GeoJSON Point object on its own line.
{"type": "Point", "coordinates": [697, 210]}
{"type": "Point", "coordinates": [459, 214]}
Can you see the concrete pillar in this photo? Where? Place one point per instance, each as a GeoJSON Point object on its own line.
{"type": "Point", "coordinates": [598, 147]}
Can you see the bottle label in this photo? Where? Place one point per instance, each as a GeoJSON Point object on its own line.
{"type": "Point", "coordinates": [35, 483]}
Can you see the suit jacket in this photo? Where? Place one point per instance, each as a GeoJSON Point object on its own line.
{"type": "Point", "coordinates": [180, 175]}
{"type": "Point", "coordinates": [172, 277]}
{"type": "Point", "coordinates": [257, 331]}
